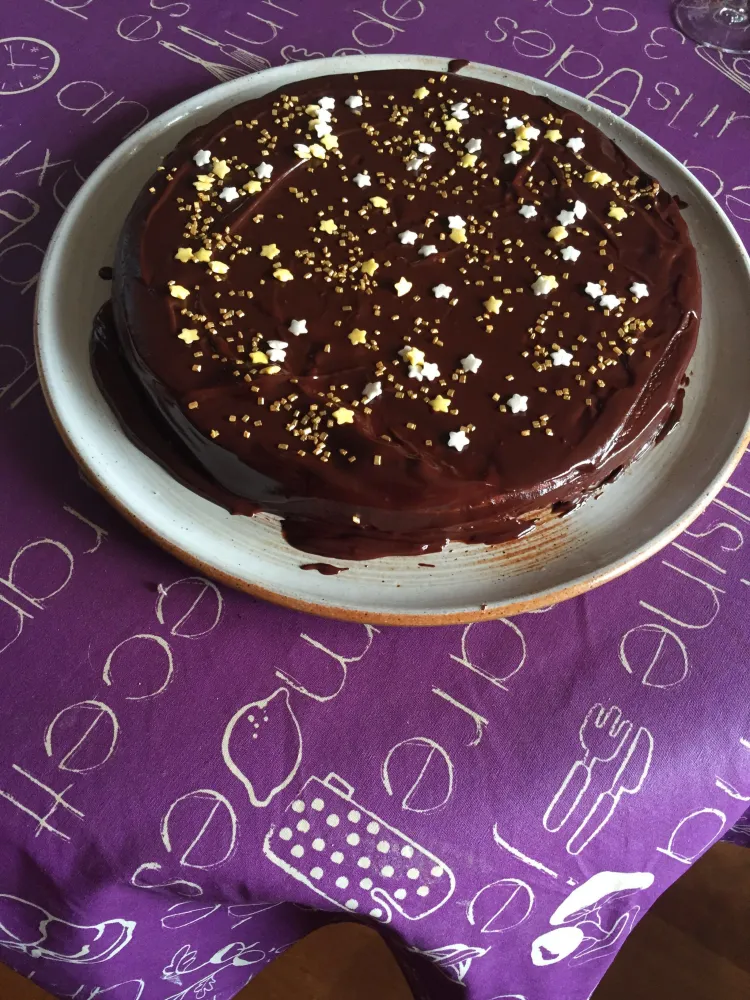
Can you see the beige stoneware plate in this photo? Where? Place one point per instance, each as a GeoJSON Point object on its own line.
{"type": "Point", "coordinates": [647, 507]}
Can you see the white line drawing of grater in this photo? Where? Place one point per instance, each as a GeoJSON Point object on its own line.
{"type": "Point", "coordinates": [353, 858]}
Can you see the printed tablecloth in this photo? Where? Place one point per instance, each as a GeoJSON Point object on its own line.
{"type": "Point", "coordinates": [191, 780]}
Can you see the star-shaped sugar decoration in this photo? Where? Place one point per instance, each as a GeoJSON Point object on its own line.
{"type": "Point", "coordinates": [458, 440]}
{"type": "Point", "coordinates": [426, 147]}
{"type": "Point", "coordinates": [456, 222]}
{"type": "Point", "coordinates": [277, 350]}
{"type": "Point", "coordinates": [415, 371]}
{"type": "Point", "coordinates": [527, 211]}
{"type": "Point", "coordinates": [457, 235]}
{"type": "Point", "coordinates": [440, 404]}
{"type": "Point", "coordinates": [362, 180]}
{"type": "Point", "coordinates": [371, 391]}
{"type": "Point", "coordinates": [178, 291]}
{"type": "Point", "coordinates": [402, 286]}
{"type": "Point", "coordinates": [229, 194]}
{"type": "Point", "coordinates": [343, 415]}
{"type": "Point", "coordinates": [618, 213]}
{"type": "Point", "coordinates": [430, 371]}
{"type": "Point", "coordinates": [561, 357]}
{"type": "Point", "coordinates": [189, 336]}
{"type": "Point", "coordinates": [252, 187]}
{"type": "Point", "coordinates": [593, 289]}
{"type": "Point", "coordinates": [378, 201]}
{"type": "Point", "coordinates": [544, 284]}
{"type": "Point", "coordinates": [258, 358]}
{"type": "Point", "coordinates": [579, 209]}
{"type": "Point", "coordinates": [184, 254]}
{"type": "Point", "coordinates": [358, 337]}
{"type": "Point", "coordinates": [270, 250]}
{"type": "Point", "coordinates": [302, 150]}
{"type": "Point", "coordinates": [492, 305]}
{"type": "Point", "coordinates": [558, 233]}
{"type": "Point", "coordinates": [414, 163]}
{"type": "Point", "coordinates": [328, 226]}
{"type": "Point", "coordinates": [527, 132]}
{"type": "Point", "coordinates": [408, 236]}
{"type": "Point", "coordinates": [328, 141]}
{"type": "Point", "coordinates": [413, 355]}
{"type": "Point", "coordinates": [327, 103]}
{"type": "Point", "coordinates": [355, 101]}
{"type": "Point", "coordinates": [473, 145]}
{"type": "Point", "coordinates": [420, 93]}
{"type": "Point", "coordinates": [639, 290]}
{"type": "Point", "coordinates": [609, 302]}
{"type": "Point", "coordinates": [512, 157]}
{"type": "Point", "coordinates": [442, 291]}
{"type": "Point", "coordinates": [202, 158]}
{"type": "Point", "coordinates": [204, 183]}
{"type": "Point", "coordinates": [221, 168]}
{"type": "Point", "coordinates": [264, 170]}
{"type": "Point", "coordinates": [297, 327]}
{"type": "Point", "coordinates": [202, 255]}
{"type": "Point", "coordinates": [518, 404]}
{"type": "Point", "coordinates": [427, 250]}
{"type": "Point", "coordinates": [321, 128]}
{"type": "Point", "coordinates": [459, 111]}
{"type": "Point", "coordinates": [521, 145]}
{"type": "Point", "coordinates": [566, 218]}
{"type": "Point", "coordinates": [370, 266]}
{"type": "Point", "coordinates": [471, 363]}
{"type": "Point", "coordinates": [512, 123]}
{"type": "Point", "coordinates": [553, 134]}
{"type": "Point", "coordinates": [218, 267]}
{"type": "Point", "coordinates": [453, 125]}
{"type": "Point", "coordinates": [576, 144]}
{"type": "Point", "coordinates": [468, 160]}
{"type": "Point", "coordinates": [597, 177]}
{"type": "Point", "coordinates": [283, 274]}
{"type": "Point", "coordinates": [570, 253]}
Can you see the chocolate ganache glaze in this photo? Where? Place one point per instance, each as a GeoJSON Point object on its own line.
{"type": "Point", "coordinates": [398, 309]}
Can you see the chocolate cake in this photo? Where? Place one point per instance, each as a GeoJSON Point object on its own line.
{"type": "Point", "coordinates": [399, 308]}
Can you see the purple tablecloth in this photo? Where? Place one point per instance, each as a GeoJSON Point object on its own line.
{"type": "Point", "coordinates": [190, 779]}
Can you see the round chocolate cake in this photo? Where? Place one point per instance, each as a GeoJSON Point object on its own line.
{"type": "Point", "coordinates": [400, 308]}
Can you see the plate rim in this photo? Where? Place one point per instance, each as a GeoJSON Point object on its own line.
{"type": "Point", "coordinates": [338, 65]}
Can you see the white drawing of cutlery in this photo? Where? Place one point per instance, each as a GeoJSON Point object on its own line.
{"type": "Point", "coordinates": [628, 781]}
{"type": "Point", "coordinates": [219, 70]}
{"type": "Point", "coordinates": [602, 735]}
{"type": "Point", "coordinates": [250, 59]}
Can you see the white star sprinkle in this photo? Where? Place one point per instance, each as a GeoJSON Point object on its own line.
{"type": "Point", "coordinates": [414, 163]}
{"type": "Point", "coordinates": [459, 112]}
{"type": "Point", "coordinates": [362, 180]}
{"type": "Point", "coordinates": [371, 390]}
{"type": "Point", "coordinates": [202, 158]}
{"type": "Point", "coordinates": [263, 171]}
{"type": "Point", "coordinates": [322, 128]}
{"type": "Point", "coordinates": [457, 440]}
{"type": "Point", "coordinates": [570, 253]}
{"type": "Point", "coordinates": [513, 123]}
{"type": "Point", "coordinates": [531, 132]}
{"type": "Point", "coordinates": [456, 222]}
{"type": "Point", "coordinates": [639, 289]}
{"type": "Point", "coordinates": [327, 103]}
{"type": "Point", "coordinates": [593, 289]}
{"type": "Point", "coordinates": [609, 302]}
{"type": "Point", "coordinates": [298, 326]}
{"type": "Point", "coordinates": [415, 371]}
{"type": "Point", "coordinates": [566, 218]}
{"type": "Point", "coordinates": [427, 250]}
{"type": "Point", "coordinates": [527, 211]}
{"type": "Point", "coordinates": [471, 363]}
{"type": "Point", "coordinates": [277, 350]}
{"type": "Point", "coordinates": [561, 357]}
{"type": "Point", "coordinates": [512, 157]}
{"type": "Point", "coordinates": [576, 144]}
{"type": "Point", "coordinates": [426, 147]}
{"type": "Point", "coordinates": [579, 209]}
{"type": "Point", "coordinates": [408, 236]}
{"type": "Point", "coordinates": [518, 403]}
{"type": "Point", "coordinates": [430, 371]}
{"type": "Point", "coordinates": [473, 145]}
{"type": "Point", "coordinates": [544, 284]}
{"type": "Point", "coordinates": [355, 101]}
{"type": "Point", "coordinates": [442, 291]}
{"type": "Point", "coordinates": [229, 194]}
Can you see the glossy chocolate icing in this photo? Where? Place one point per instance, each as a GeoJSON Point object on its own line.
{"type": "Point", "coordinates": [421, 494]}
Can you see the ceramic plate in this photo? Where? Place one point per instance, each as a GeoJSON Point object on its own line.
{"type": "Point", "coordinates": [647, 507]}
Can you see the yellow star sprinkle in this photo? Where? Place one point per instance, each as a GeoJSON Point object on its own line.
{"type": "Point", "coordinates": [328, 226]}
{"type": "Point", "coordinates": [458, 235]}
{"type": "Point", "coordinates": [202, 255]}
{"type": "Point", "coordinates": [525, 132]}
{"type": "Point", "coordinates": [343, 416]}
{"type": "Point", "coordinates": [258, 358]}
{"type": "Point", "coordinates": [178, 291]}
{"type": "Point", "coordinates": [597, 177]}
{"type": "Point", "coordinates": [521, 145]}
{"type": "Point", "coordinates": [402, 286]}
{"type": "Point", "coordinates": [440, 404]}
{"type": "Point", "coordinates": [270, 250]}
{"type": "Point", "coordinates": [378, 202]}
{"type": "Point", "coordinates": [553, 134]}
{"type": "Point", "coordinates": [282, 274]}
{"type": "Point", "coordinates": [358, 336]}
{"type": "Point", "coordinates": [414, 356]}
{"type": "Point", "coordinates": [221, 169]}
{"type": "Point", "coordinates": [420, 93]}
{"type": "Point", "coordinates": [492, 305]}
{"type": "Point", "coordinates": [184, 254]}
{"type": "Point", "coordinates": [312, 109]}
{"type": "Point", "coordinates": [218, 267]}
{"type": "Point", "coordinates": [252, 187]}
{"type": "Point", "coordinates": [189, 336]}
{"type": "Point", "coordinates": [204, 182]}
{"type": "Point", "coordinates": [329, 141]}
{"type": "Point", "coordinates": [318, 151]}
{"type": "Point", "coordinates": [453, 125]}
{"type": "Point", "coordinates": [468, 159]}
{"type": "Point", "coordinates": [557, 233]}
{"type": "Point", "coordinates": [271, 370]}
{"type": "Point", "coordinates": [617, 213]}
{"type": "Point", "coordinates": [370, 266]}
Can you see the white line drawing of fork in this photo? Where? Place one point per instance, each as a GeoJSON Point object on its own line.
{"type": "Point", "coordinates": [602, 735]}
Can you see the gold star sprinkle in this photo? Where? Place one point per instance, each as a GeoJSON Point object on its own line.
{"type": "Point", "coordinates": [178, 291]}
{"type": "Point", "coordinates": [189, 336]}
{"type": "Point", "coordinates": [521, 145]}
{"type": "Point", "coordinates": [414, 356]}
{"type": "Point", "coordinates": [184, 254]}
{"type": "Point", "coordinates": [329, 141]}
{"type": "Point", "coordinates": [453, 125]}
{"type": "Point", "coordinates": [468, 159]}
{"type": "Point", "coordinates": [358, 336]}
{"type": "Point", "coordinates": [402, 286]}
{"type": "Point", "coordinates": [328, 226]}
{"type": "Point", "coordinates": [343, 416]}
{"type": "Point", "coordinates": [440, 404]}
{"type": "Point", "coordinates": [282, 274]}
{"type": "Point", "coordinates": [271, 370]}
{"type": "Point", "coordinates": [458, 235]}
{"type": "Point", "coordinates": [202, 255]}
{"type": "Point", "coordinates": [525, 132]}
{"type": "Point", "coordinates": [218, 267]}
{"type": "Point", "coordinates": [370, 266]}
{"type": "Point", "coordinates": [252, 187]}
{"type": "Point", "coordinates": [318, 151]}
{"type": "Point", "coordinates": [204, 182]}
{"type": "Point", "coordinates": [616, 212]}
{"type": "Point", "coordinates": [378, 202]}
{"type": "Point", "coordinates": [597, 177]}
{"type": "Point", "coordinates": [492, 305]}
{"type": "Point", "coordinates": [221, 169]}
{"type": "Point", "coordinates": [420, 93]}
{"type": "Point", "coordinates": [558, 233]}
{"type": "Point", "coordinates": [270, 250]}
{"type": "Point", "coordinates": [553, 134]}
{"type": "Point", "coordinates": [258, 358]}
